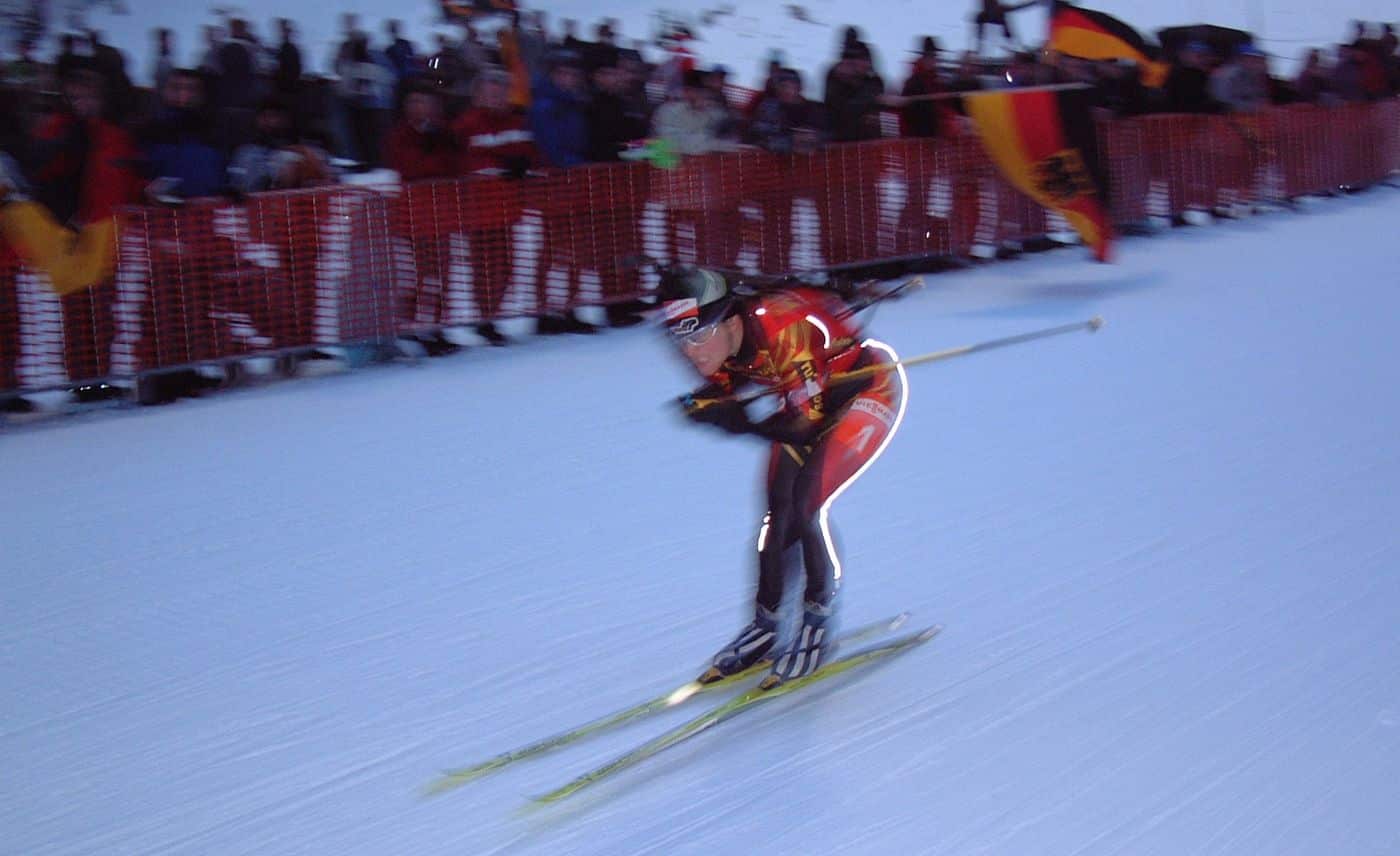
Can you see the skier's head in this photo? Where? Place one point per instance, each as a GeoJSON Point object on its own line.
{"type": "Point", "coordinates": [698, 310]}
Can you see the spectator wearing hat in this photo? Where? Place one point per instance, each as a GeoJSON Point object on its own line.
{"type": "Point", "coordinates": [853, 95]}
{"type": "Point", "coordinates": [922, 116]}
{"type": "Point", "coordinates": [558, 111]}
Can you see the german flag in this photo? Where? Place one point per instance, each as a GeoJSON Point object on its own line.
{"type": "Point", "coordinates": [1087, 34]}
{"type": "Point", "coordinates": [1043, 141]}
{"type": "Point", "coordinates": [465, 10]}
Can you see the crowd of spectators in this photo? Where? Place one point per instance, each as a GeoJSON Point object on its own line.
{"type": "Point", "coordinates": [247, 116]}
{"type": "Point", "coordinates": [521, 100]}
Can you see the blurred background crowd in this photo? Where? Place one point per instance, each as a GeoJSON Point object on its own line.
{"type": "Point", "coordinates": [522, 95]}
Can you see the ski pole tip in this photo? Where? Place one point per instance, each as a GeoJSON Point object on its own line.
{"type": "Point", "coordinates": [1095, 323]}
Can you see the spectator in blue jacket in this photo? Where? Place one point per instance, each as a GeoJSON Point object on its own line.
{"type": "Point", "coordinates": [558, 114]}
{"type": "Point", "coordinates": [179, 143]}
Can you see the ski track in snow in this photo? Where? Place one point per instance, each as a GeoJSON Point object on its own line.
{"type": "Point", "coordinates": [1165, 554]}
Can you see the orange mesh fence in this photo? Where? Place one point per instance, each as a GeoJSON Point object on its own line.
{"type": "Point", "coordinates": [215, 280]}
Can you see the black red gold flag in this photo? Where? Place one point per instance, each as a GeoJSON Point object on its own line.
{"type": "Point", "coordinates": [1044, 142]}
{"type": "Point", "coordinates": [1087, 34]}
{"type": "Point", "coordinates": [463, 10]}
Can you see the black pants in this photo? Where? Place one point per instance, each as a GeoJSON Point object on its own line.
{"type": "Point", "coordinates": [802, 482]}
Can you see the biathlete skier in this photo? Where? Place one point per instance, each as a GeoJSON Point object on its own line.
{"type": "Point", "coordinates": [842, 399]}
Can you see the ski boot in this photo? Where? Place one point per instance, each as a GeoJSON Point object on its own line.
{"type": "Point", "coordinates": [810, 648]}
{"type": "Point", "coordinates": [751, 645]}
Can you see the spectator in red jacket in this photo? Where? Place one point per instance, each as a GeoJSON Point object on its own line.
{"type": "Point", "coordinates": [494, 140]}
{"type": "Point", "coordinates": [81, 168]}
{"type": "Point", "coordinates": [420, 148]}
{"type": "Point", "coordinates": [420, 145]}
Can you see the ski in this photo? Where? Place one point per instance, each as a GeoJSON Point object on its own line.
{"type": "Point", "coordinates": [456, 778]}
{"type": "Point", "coordinates": [735, 706]}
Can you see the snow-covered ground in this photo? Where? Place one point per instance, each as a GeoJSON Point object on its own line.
{"type": "Point", "coordinates": [743, 39]}
{"type": "Point", "coordinates": [1166, 555]}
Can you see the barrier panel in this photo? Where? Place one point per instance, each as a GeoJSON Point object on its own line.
{"type": "Point", "coordinates": [215, 280]}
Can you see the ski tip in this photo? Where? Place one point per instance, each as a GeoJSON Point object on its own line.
{"type": "Point", "coordinates": [930, 632]}
{"type": "Point", "coordinates": [1095, 323]}
{"type": "Point", "coordinates": [899, 620]}
{"type": "Point", "coordinates": [438, 787]}
{"type": "Point", "coordinates": [539, 801]}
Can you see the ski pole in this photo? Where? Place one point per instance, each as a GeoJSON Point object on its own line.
{"type": "Point", "coordinates": [932, 357]}
{"type": "Point", "coordinates": [913, 282]}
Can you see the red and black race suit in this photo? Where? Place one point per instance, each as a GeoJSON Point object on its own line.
{"type": "Point", "coordinates": [799, 343]}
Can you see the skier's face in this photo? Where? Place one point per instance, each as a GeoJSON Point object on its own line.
{"type": "Point", "coordinates": [708, 347]}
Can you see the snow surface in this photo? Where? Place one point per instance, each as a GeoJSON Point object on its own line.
{"type": "Point", "coordinates": [1165, 554]}
{"type": "Point", "coordinates": [743, 40]}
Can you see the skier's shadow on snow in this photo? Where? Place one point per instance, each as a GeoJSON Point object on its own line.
{"type": "Point", "coordinates": [1056, 299]}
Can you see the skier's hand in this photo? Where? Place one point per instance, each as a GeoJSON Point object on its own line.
{"type": "Point", "coordinates": [723, 413]}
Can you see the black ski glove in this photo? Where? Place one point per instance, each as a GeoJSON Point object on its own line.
{"type": "Point", "coordinates": [723, 413]}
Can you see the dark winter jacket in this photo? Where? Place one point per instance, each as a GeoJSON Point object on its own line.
{"type": "Point", "coordinates": [925, 118]}
{"type": "Point", "coordinates": [237, 84]}
{"type": "Point", "coordinates": [401, 59]}
{"type": "Point", "coordinates": [1187, 90]}
{"type": "Point", "coordinates": [614, 121]}
{"type": "Point", "coordinates": [852, 108]}
{"type": "Point", "coordinates": [560, 124]}
{"type": "Point", "coordinates": [178, 144]}
{"type": "Point", "coordinates": [287, 77]}
{"type": "Point", "coordinates": [777, 126]}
